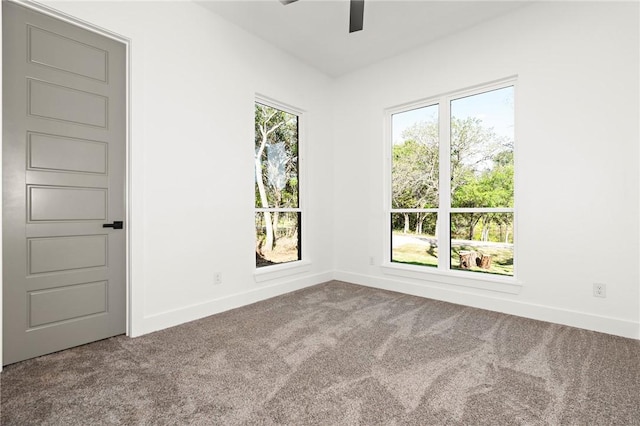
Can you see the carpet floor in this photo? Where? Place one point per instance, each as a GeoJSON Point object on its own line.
{"type": "Point", "coordinates": [336, 354]}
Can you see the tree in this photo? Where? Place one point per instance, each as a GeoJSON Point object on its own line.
{"type": "Point", "coordinates": [473, 148]}
{"type": "Point", "coordinates": [276, 162]}
{"type": "Point", "coordinates": [481, 173]}
{"type": "Point", "coordinates": [415, 171]}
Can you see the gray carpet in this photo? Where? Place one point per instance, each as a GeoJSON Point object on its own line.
{"type": "Point", "coordinates": [336, 354]}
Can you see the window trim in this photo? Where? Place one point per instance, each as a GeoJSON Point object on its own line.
{"type": "Point", "coordinates": [279, 270]}
{"type": "Point", "coordinates": [443, 273]}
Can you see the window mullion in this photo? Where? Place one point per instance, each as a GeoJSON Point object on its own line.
{"type": "Point", "coordinates": [444, 190]}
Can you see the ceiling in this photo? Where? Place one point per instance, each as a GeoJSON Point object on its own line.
{"type": "Point", "coordinates": [316, 31]}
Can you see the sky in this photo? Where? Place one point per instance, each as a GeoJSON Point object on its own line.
{"type": "Point", "coordinates": [494, 108]}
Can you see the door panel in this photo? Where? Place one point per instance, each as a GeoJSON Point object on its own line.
{"type": "Point", "coordinates": [50, 203]}
{"type": "Point", "coordinates": [60, 304]}
{"type": "Point", "coordinates": [56, 254]}
{"type": "Point", "coordinates": [63, 178]}
{"type": "Point", "coordinates": [64, 103]}
{"type": "Point", "coordinates": [56, 51]}
{"type": "Point", "coordinates": [55, 153]}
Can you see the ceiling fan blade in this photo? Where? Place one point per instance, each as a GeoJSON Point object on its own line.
{"type": "Point", "coordinates": [357, 15]}
{"type": "Point", "coordinates": [286, 2]}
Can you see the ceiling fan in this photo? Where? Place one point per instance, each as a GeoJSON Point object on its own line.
{"type": "Point", "coordinates": [356, 14]}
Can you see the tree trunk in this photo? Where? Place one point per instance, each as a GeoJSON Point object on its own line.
{"type": "Point", "coordinates": [264, 202]}
{"type": "Point", "coordinates": [276, 217]}
{"type": "Point", "coordinates": [437, 227]}
{"type": "Point", "coordinates": [268, 244]}
{"type": "Point", "coordinates": [421, 218]}
{"type": "Point", "coordinates": [406, 223]}
{"type": "Point", "coordinates": [473, 221]}
{"type": "Point", "coordinates": [485, 232]}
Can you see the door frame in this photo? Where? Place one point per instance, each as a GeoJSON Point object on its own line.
{"type": "Point", "coordinates": [37, 7]}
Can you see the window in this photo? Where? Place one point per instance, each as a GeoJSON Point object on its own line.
{"type": "Point", "coordinates": [452, 182]}
{"type": "Point", "coordinates": [278, 215]}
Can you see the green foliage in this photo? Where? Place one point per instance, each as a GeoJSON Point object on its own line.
{"type": "Point", "coordinates": [487, 227]}
{"type": "Point", "coordinates": [481, 166]}
{"type": "Point", "coordinates": [417, 223]}
{"type": "Point", "coordinates": [273, 127]}
{"type": "Point", "coordinates": [482, 171]}
{"type": "Point", "coordinates": [492, 187]}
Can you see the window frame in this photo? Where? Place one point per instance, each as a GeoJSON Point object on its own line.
{"type": "Point", "coordinates": [443, 272]}
{"type": "Point", "coordinates": [268, 272]}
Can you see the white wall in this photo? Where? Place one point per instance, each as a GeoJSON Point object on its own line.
{"type": "Point", "coordinates": [194, 78]}
{"type": "Point", "coordinates": [194, 81]}
{"type": "Point", "coordinates": [577, 134]}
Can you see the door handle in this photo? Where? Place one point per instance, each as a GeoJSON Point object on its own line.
{"type": "Point", "coordinates": [117, 224]}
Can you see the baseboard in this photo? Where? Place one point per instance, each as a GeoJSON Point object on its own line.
{"type": "Point", "coordinates": [609, 325]}
{"type": "Point", "coordinates": [615, 326]}
{"type": "Point", "coordinates": [191, 313]}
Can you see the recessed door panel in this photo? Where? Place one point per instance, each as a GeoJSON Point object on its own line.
{"type": "Point", "coordinates": [56, 51]}
{"type": "Point", "coordinates": [67, 253]}
{"type": "Point", "coordinates": [64, 103]}
{"type": "Point", "coordinates": [55, 153]}
{"type": "Point", "coordinates": [67, 303]}
{"type": "Point", "coordinates": [48, 203]}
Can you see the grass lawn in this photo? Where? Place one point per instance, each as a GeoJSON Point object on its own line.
{"type": "Point", "coordinates": [416, 254]}
{"type": "Point", "coordinates": [427, 255]}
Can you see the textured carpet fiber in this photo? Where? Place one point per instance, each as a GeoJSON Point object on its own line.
{"type": "Point", "coordinates": [336, 354]}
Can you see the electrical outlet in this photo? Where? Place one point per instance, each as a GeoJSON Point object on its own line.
{"type": "Point", "coordinates": [217, 278]}
{"type": "Point", "coordinates": [599, 290]}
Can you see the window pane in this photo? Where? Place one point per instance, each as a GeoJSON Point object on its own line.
{"type": "Point", "coordinates": [415, 155]}
{"type": "Point", "coordinates": [482, 242]}
{"type": "Point", "coordinates": [276, 158]}
{"type": "Point", "coordinates": [482, 137]}
{"type": "Point", "coordinates": [413, 238]}
{"type": "Point", "coordinates": [277, 238]}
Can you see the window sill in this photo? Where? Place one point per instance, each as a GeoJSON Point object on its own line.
{"type": "Point", "coordinates": [459, 278]}
{"type": "Point", "coordinates": [273, 272]}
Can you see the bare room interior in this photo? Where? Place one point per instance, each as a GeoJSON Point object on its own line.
{"type": "Point", "coordinates": [264, 212]}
